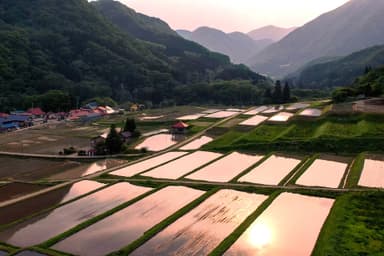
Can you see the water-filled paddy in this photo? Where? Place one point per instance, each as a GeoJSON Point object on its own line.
{"type": "Point", "coordinates": [147, 164]}
{"type": "Point", "coordinates": [271, 171]}
{"type": "Point", "coordinates": [314, 112]}
{"type": "Point", "coordinates": [222, 114]}
{"type": "Point", "coordinates": [226, 168]}
{"type": "Point", "coordinates": [43, 227]}
{"type": "Point", "coordinates": [196, 144]}
{"type": "Point", "coordinates": [29, 253]}
{"type": "Point", "coordinates": [15, 189]}
{"type": "Point", "coordinates": [297, 106]}
{"type": "Point", "coordinates": [323, 173]}
{"type": "Point", "coordinates": [183, 165]}
{"type": "Point", "coordinates": [202, 229]}
{"type": "Point", "coordinates": [190, 117]}
{"type": "Point", "coordinates": [127, 225]}
{"type": "Point", "coordinates": [254, 121]}
{"type": "Point", "coordinates": [30, 206]}
{"type": "Point", "coordinates": [281, 117]}
{"type": "Point", "coordinates": [273, 110]}
{"type": "Point", "coordinates": [289, 226]}
{"type": "Point", "coordinates": [372, 174]}
{"type": "Point", "coordinates": [159, 142]}
{"type": "Point", "coordinates": [256, 111]}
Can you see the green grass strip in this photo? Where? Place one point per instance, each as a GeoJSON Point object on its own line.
{"type": "Point", "coordinates": [89, 222]}
{"type": "Point", "coordinates": [355, 171]}
{"type": "Point", "coordinates": [227, 242]}
{"type": "Point", "coordinates": [295, 170]}
{"type": "Point", "coordinates": [163, 224]}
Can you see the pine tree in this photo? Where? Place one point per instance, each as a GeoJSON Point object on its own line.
{"type": "Point", "coordinates": [286, 92]}
{"type": "Point", "coordinates": [130, 125]}
{"type": "Point", "coordinates": [113, 142]}
{"type": "Point", "coordinates": [277, 93]}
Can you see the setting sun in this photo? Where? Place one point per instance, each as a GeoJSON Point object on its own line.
{"type": "Point", "coordinates": [260, 235]}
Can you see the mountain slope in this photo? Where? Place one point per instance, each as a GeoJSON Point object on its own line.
{"type": "Point", "coordinates": [351, 27]}
{"type": "Point", "coordinates": [69, 46]}
{"type": "Point", "coordinates": [341, 71]}
{"type": "Point", "coordinates": [237, 46]}
{"type": "Point", "coordinates": [270, 32]}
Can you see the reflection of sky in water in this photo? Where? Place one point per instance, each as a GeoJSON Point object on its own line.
{"type": "Point", "coordinates": [323, 173]}
{"type": "Point", "coordinates": [271, 171]}
{"type": "Point", "coordinates": [127, 225]}
{"type": "Point", "coordinates": [80, 188]}
{"type": "Point", "coordinates": [182, 166]}
{"type": "Point", "coordinates": [225, 168]}
{"type": "Point", "coordinates": [41, 228]}
{"type": "Point", "coordinates": [373, 174]}
{"type": "Point", "coordinates": [289, 226]}
{"type": "Point", "coordinates": [159, 142]}
{"type": "Point", "coordinates": [147, 164]}
{"type": "Point", "coordinates": [201, 230]}
{"type": "Point", "coordinates": [196, 144]}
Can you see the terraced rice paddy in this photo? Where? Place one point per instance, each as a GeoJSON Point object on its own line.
{"type": "Point", "coordinates": [254, 121]}
{"type": "Point", "coordinates": [190, 117]}
{"type": "Point", "coordinates": [226, 168]}
{"type": "Point", "coordinates": [183, 165]}
{"type": "Point", "coordinates": [289, 226]}
{"type": "Point", "coordinates": [159, 142]}
{"type": "Point", "coordinates": [323, 173]}
{"type": "Point", "coordinates": [202, 229]}
{"type": "Point", "coordinates": [222, 114]}
{"type": "Point", "coordinates": [196, 144]}
{"type": "Point", "coordinates": [125, 226]}
{"type": "Point", "coordinates": [273, 110]}
{"type": "Point", "coordinates": [29, 253]}
{"type": "Point", "coordinates": [271, 171]}
{"type": "Point", "coordinates": [256, 111]}
{"type": "Point", "coordinates": [281, 117]}
{"type": "Point", "coordinates": [311, 112]}
{"type": "Point", "coordinates": [25, 208]}
{"type": "Point", "coordinates": [297, 106]}
{"type": "Point", "coordinates": [45, 226]}
{"type": "Point", "coordinates": [13, 190]}
{"type": "Point", "coordinates": [372, 174]}
{"type": "Point", "coordinates": [147, 164]}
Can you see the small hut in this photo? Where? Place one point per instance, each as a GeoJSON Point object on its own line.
{"type": "Point", "coordinates": [180, 128]}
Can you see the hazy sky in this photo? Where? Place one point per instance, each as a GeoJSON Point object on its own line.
{"type": "Point", "coordinates": [234, 15]}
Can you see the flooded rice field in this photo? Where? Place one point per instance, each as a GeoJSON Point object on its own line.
{"type": "Point", "coordinates": [15, 189]}
{"type": "Point", "coordinates": [201, 230]}
{"type": "Point", "coordinates": [183, 165]}
{"type": "Point", "coordinates": [147, 164]}
{"type": "Point", "coordinates": [272, 110]}
{"type": "Point", "coordinates": [210, 111]}
{"type": "Point", "coordinates": [226, 168]}
{"type": "Point", "coordinates": [297, 106]}
{"type": "Point", "coordinates": [3, 253]}
{"type": "Point", "coordinates": [222, 114]}
{"type": "Point", "coordinates": [254, 121]}
{"type": "Point", "coordinates": [38, 203]}
{"type": "Point", "coordinates": [281, 117]}
{"type": "Point", "coordinates": [271, 171]}
{"type": "Point", "coordinates": [29, 253]}
{"type": "Point", "coordinates": [312, 112]}
{"type": "Point", "coordinates": [198, 143]}
{"type": "Point", "coordinates": [190, 117]}
{"type": "Point", "coordinates": [85, 169]}
{"type": "Point", "coordinates": [256, 111]}
{"type": "Point", "coordinates": [160, 142]}
{"type": "Point", "coordinates": [323, 173]}
{"type": "Point", "coordinates": [127, 225]}
{"type": "Point", "coordinates": [42, 227]}
{"type": "Point", "coordinates": [372, 174]}
{"type": "Point", "coordinates": [289, 226]}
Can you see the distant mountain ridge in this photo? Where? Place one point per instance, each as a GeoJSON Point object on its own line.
{"type": "Point", "coordinates": [340, 71]}
{"type": "Point", "coordinates": [273, 33]}
{"type": "Point", "coordinates": [238, 46]}
{"type": "Point", "coordinates": [354, 26]}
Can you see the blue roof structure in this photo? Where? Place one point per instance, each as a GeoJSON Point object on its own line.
{"type": "Point", "coordinates": [17, 118]}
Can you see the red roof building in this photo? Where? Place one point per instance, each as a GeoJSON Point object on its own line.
{"type": "Point", "coordinates": [36, 111]}
{"type": "Point", "coordinates": [180, 125]}
{"type": "Point", "coordinates": [3, 115]}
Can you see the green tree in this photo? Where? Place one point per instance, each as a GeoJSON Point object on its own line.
{"type": "Point", "coordinates": [286, 92]}
{"type": "Point", "coordinates": [130, 125]}
{"type": "Point", "coordinates": [277, 92]}
{"type": "Point", "coordinates": [113, 142]}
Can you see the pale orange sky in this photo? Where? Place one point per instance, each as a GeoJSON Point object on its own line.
{"type": "Point", "coordinates": [233, 15]}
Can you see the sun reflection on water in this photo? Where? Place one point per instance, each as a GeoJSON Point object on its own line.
{"type": "Point", "coordinates": [260, 235]}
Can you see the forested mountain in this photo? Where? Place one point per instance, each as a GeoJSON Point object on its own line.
{"type": "Point", "coordinates": [238, 46]}
{"type": "Point", "coordinates": [354, 26]}
{"type": "Point", "coordinates": [371, 85]}
{"type": "Point", "coordinates": [270, 32]}
{"type": "Point", "coordinates": [340, 71]}
{"type": "Point", "coordinates": [69, 46]}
